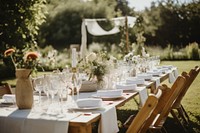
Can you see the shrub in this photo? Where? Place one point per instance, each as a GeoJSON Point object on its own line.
{"type": "Point", "coordinates": [193, 51]}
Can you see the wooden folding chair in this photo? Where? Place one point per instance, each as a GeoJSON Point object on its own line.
{"type": "Point", "coordinates": [159, 115]}
{"type": "Point", "coordinates": [177, 104]}
{"type": "Point", "coordinates": [5, 89]}
{"type": "Point", "coordinates": [131, 121]}
{"type": "Point", "coordinates": [143, 114]}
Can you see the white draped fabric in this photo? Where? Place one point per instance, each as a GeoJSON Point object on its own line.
{"type": "Point", "coordinates": [95, 29]}
{"type": "Point", "coordinates": [83, 49]}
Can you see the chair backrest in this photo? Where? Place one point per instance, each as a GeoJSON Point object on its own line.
{"type": "Point", "coordinates": [167, 99]}
{"type": "Point", "coordinates": [192, 75]}
{"type": "Point", "coordinates": [143, 114]}
{"type": "Point", "coordinates": [5, 89]}
{"type": "Point", "coordinates": [165, 102]}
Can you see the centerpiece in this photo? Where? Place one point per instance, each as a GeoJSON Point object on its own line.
{"type": "Point", "coordinates": [24, 66]}
{"type": "Point", "coordinates": [95, 65]}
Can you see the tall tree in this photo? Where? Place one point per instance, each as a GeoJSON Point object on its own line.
{"type": "Point", "coordinates": [20, 21]}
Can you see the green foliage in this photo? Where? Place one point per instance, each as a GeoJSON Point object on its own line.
{"type": "Point", "coordinates": [63, 26]}
{"type": "Point", "coordinates": [190, 52]}
{"type": "Point", "coordinates": [20, 21]}
{"type": "Point", "coordinates": [193, 51]}
{"type": "Point", "coordinates": [169, 22]}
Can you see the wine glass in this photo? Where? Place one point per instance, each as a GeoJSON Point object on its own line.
{"type": "Point", "coordinates": [78, 84]}
{"type": "Point", "coordinates": [38, 83]}
{"type": "Point", "coordinates": [53, 82]}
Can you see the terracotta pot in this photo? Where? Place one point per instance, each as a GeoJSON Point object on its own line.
{"type": "Point", "coordinates": [24, 89]}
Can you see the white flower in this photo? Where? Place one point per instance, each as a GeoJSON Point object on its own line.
{"type": "Point", "coordinates": [130, 54]}
{"type": "Point", "coordinates": [135, 59]}
{"type": "Point", "coordinates": [91, 57]}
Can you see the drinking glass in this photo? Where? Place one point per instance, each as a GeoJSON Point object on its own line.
{"type": "Point", "coordinates": [78, 83]}
{"type": "Point", "coordinates": [38, 83]}
{"type": "Point", "coordinates": [53, 82]}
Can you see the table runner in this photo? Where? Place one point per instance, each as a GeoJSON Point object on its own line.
{"type": "Point", "coordinates": [13, 120]}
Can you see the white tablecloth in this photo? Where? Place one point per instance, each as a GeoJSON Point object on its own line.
{"type": "Point", "coordinates": [13, 120]}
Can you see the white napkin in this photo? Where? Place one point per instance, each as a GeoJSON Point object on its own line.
{"type": "Point", "coordinates": [168, 66]}
{"type": "Point", "coordinates": [157, 80]}
{"type": "Point", "coordinates": [10, 98]}
{"type": "Point", "coordinates": [142, 94]}
{"type": "Point", "coordinates": [171, 77]}
{"type": "Point", "coordinates": [175, 72]}
{"type": "Point", "coordinates": [126, 86]}
{"type": "Point", "coordinates": [135, 81]}
{"type": "Point", "coordinates": [155, 72]}
{"type": "Point", "coordinates": [145, 76]}
{"type": "Point", "coordinates": [109, 93]}
{"type": "Point", "coordinates": [163, 70]}
{"type": "Point", "coordinates": [108, 123]}
{"type": "Point", "coordinates": [89, 102]}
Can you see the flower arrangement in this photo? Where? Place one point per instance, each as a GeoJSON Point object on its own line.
{"type": "Point", "coordinates": [131, 58]}
{"type": "Point", "coordinates": [95, 65]}
{"type": "Point", "coordinates": [23, 59]}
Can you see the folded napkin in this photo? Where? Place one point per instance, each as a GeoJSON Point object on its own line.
{"type": "Point", "coordinates": [10, 98]}
{"type": "Point", "coordinates": [108, 122]}
{"type": "Point", "coordinates": [145, 76]}
{"type": "Point", "coordinates": [168, 66]}
{"type": "Point", "coordinates": [175, 72]}
{"type": "Point", "coordinates": [155, 72]}
{"type": "Point", "coordinates": [89, 102]}
{"type": "Point", "coordinates": [171, 77]}
{"type": "Point", "coordinates": [126, 86]}
{"type": "Point", "coordinates": [109, 93]}
{"type": "Point", "coordinates": [163, 70]}
{"type": "Point", "coordinates": [157, 80]}
{"type": "Point", "coordinates": [142, 94]}
{"type": "Point", "coordinates": [135, 81]}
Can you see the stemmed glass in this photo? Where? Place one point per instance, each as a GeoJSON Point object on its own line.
{"type": "Point", "coordinates": [63, 90]}
{"type": "Point", "coordinates": [78, 83]}
{"type": "Point", "coordinates": [53, 85]}
{"type": "Point", "coordinates": [38, 83]}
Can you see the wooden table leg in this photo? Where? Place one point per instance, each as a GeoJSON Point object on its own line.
{"type": "Point", "coordinates": [81, 129]}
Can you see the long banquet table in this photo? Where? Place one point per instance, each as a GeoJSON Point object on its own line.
{"type": "Point", "coordinates": [82, 123]}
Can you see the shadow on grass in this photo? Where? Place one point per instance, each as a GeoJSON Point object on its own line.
{"type": "Point", "coordinates": [170, 125]}
{"type": "Point", "coordinates": [122, 116]}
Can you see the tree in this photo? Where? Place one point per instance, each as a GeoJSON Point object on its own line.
{"type": "Point", "coordinates": [19, 25]}
{"type": "Point", "coordinates": [63, 25]}
{"type": "Point", "coordinates": [169, 22]}
{"type": "Point", "coordinates": [20, 21]}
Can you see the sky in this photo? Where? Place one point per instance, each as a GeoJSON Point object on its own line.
{"type": "Point", "coordinates": [141, 4]}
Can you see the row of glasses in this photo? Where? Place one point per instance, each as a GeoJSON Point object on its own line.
{"type": "Point", "coordinates": [59, 85]}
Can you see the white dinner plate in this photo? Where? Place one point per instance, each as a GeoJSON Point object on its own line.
{"type": "Point", "coordinates": [86, 108]}
{"type": "Point", "coordinates": [107, 97]}
{"type": "Point", "coordinates": [2, 101]}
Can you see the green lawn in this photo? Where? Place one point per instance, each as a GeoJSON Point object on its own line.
{"type": "Point", "coordinates": [190, 102]}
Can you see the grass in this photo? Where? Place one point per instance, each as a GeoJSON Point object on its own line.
{"type": "Point", "coordinates": [190, 101]}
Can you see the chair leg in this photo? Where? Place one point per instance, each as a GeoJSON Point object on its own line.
{"type": "Point", "coordinates": [138, 104]}
{"type": "Point", "coordinates": [177, 120]}
{"type": "Point", "coordinates": [188, 118]}
{"type": "Point", "coordinates": [181, 113]}
{"type": "Point", "coordinates": [164, 130]}
{"type": "Point", "coordinates": [174, 116]}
